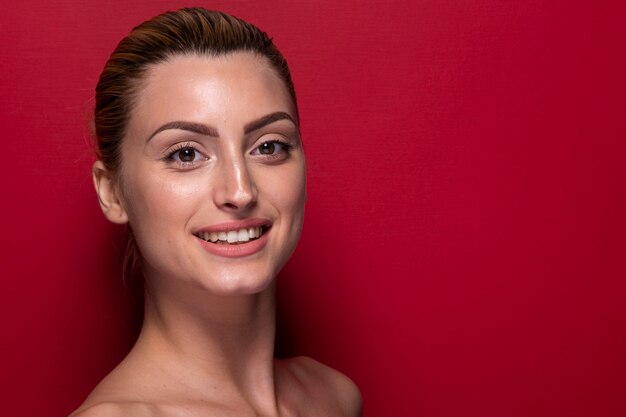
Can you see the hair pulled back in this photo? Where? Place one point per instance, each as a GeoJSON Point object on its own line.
{"type": "Point", "coordinates": [189, 31]}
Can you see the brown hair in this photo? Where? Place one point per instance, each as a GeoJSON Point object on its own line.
{"type": "Point", "coordinates": [186, 31]}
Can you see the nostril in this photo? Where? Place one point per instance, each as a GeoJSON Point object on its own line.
{"type": "Point", "coordinates": [237, 193]}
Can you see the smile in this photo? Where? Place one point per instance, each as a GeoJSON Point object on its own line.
{"type": "Point", "coordinates": [233, 237]}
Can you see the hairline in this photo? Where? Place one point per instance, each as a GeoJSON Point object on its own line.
{"type": "Point", "coordinates": [141, 79]}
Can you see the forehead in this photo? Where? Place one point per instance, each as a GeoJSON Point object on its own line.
{"type": "Point", "coordinates": [232, 88]}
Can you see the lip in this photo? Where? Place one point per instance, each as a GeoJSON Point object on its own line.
{"type": "Point", "coordinates": [243, 224]}
{"type": "Point", "coordinates": [241, 249]}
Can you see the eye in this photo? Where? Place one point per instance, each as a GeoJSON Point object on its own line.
{"type": "Point", "coordinates": [268, 148]}
{"type": "Point", "coordinates": [273, 148]}
{"type": "Point", "coordinates": [185, 156]}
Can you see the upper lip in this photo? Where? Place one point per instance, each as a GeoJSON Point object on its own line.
{"type": "Point", "coordinates": [236, 225]}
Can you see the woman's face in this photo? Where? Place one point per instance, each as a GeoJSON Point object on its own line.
{"type": "Point", "coordinates": [213, 173]}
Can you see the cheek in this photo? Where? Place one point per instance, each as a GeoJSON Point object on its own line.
{"type": "Point", "coordinates": [159, 209]}
{"type": "Point", "coordinates": [286, 190]}
{"type": "Point", "coordinates": [155, 204]}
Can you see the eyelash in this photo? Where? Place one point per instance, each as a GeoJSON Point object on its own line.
{"type": "Point", "coordinates": [170, 157]}
{"type": "Point", "coordinates": [286, 149]}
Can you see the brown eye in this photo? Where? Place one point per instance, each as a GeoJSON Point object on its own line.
{"type": "Point", "coordinates": [268, 148]}
{"type": "Point", "coordinates": [187, 155]}
{"type": "Point", "coordinates": [273, 150]}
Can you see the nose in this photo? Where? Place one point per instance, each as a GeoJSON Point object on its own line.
{"type": "Point", "coordinates": [235, 190]}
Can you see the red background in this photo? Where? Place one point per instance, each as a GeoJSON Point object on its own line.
{"type": "Point", "coordinates": [464, 252]}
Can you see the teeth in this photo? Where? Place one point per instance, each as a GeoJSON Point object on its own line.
{"type": "Point", "coordinates": [232, 236]}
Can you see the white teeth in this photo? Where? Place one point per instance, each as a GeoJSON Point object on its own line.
{"type": "Point", "coordinates": [232, 236]}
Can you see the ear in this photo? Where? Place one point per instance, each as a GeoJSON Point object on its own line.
{"type": "Point", "coordinates": [109, 194]}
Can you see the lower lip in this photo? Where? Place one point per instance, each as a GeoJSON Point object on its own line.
{"type": "Point", "coordinates": [235, 251]}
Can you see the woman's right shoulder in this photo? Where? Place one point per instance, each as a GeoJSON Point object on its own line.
{"type": "Point", "coordinates": [116, 409]}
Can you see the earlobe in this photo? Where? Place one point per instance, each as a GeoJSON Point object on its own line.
{"type": "Point", "coordinates": [109, 194]}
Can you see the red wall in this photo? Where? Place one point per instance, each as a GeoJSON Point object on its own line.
{"type": "Point", "coordinates": [464, 252]}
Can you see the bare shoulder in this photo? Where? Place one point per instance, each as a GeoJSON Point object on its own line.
{"type": "Point", "coordinates": [328, 383]}
{"type": "Point", "coordinates": [309, 368]}
{"type": "Point", "coordinates": [115, 409]}
{"type": "Point", "coordinates": [112, 397]}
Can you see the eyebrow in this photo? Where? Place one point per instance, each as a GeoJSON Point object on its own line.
{"type": "Point", "coordinates": [189, 126]}
{"type": "Point", "coordinates": [208, 130]}
{"type": "Point", "coordinates": [266, 120]}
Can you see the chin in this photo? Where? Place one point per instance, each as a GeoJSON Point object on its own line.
{"type": "Point", "coordinates": [237, 283]}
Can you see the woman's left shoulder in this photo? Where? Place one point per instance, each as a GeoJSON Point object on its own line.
{"type": "Point", "coordinates": [325, 382]}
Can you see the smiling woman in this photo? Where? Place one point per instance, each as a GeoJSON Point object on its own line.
{"type": "Point", "coordinates": [200, 153]}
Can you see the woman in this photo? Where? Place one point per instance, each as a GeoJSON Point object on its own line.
{"type": "Point", "coordinates": [200, 153]}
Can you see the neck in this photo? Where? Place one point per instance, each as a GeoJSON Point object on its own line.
{"type": "Point", "coordinates": [208, 341]}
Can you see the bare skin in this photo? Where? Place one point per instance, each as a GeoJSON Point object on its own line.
{"type": "Point", "coordinates": [156, 381]}
{"type": "Point", "coordinates": [207, 342]}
